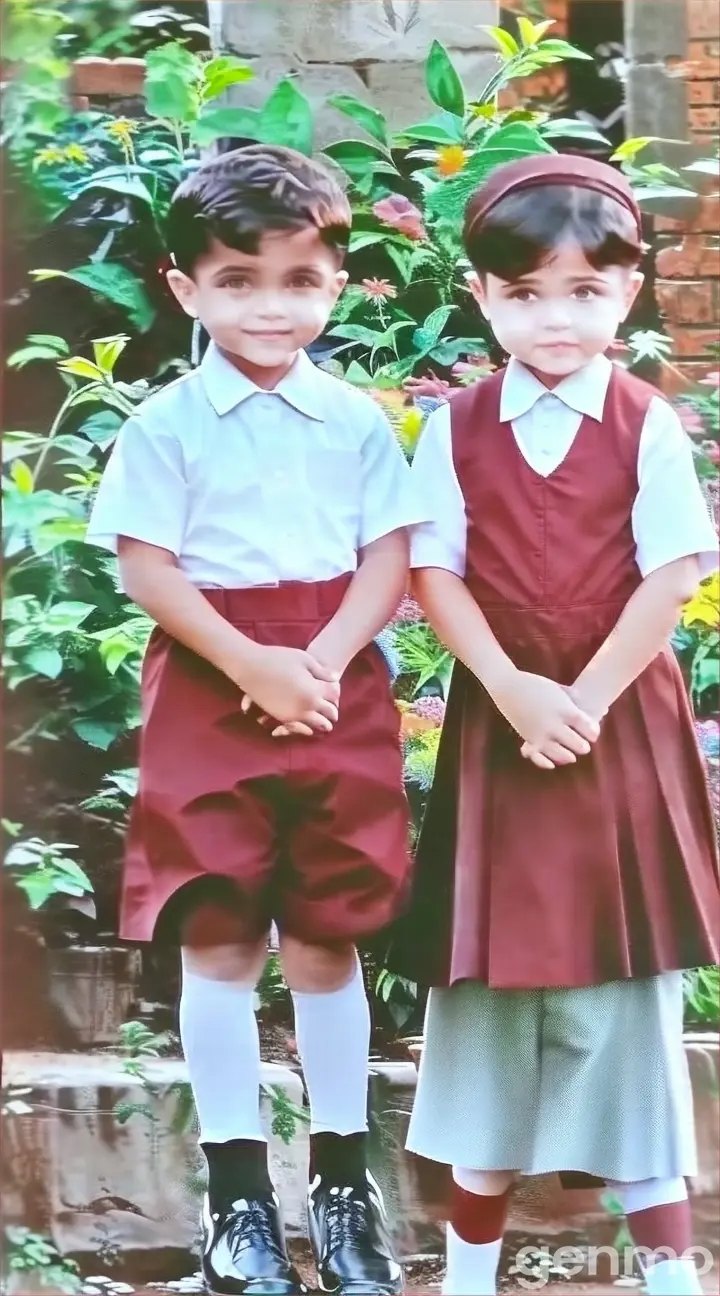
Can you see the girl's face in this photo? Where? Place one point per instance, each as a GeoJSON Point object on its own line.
{"type": "Point", "coordinates": [562, 315]}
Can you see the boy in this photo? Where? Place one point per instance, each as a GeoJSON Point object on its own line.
{"type": "Point", "coordinates": [258, 508]}
{"type": "Point", "coordinates": [566, 870]}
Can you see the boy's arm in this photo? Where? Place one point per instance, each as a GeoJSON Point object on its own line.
{"type": "Point", "coordinates": [293, 685]}
{"type": "Point", "coordinates": [140, 514]}
{"type": "Point", "coordinates": [371, 600]}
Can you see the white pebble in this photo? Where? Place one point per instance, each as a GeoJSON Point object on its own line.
{"type": "Point", "coordinates": [119, 1288]}
{"type": "Point", "coordinates": [92, 1291]}
{"type": "Point", "coordinates": [99, 1282]}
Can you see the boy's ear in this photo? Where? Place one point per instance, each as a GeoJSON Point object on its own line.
{"type": "Point", "coordinates": [476, 286]}
{"type": "Point", "coordinates": [634, 284]}
{"type": "Point", "coordinates": [184, 290]}
{"type": "Point", "coordinates": [341, 279]}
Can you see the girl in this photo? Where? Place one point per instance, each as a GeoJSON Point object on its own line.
{"type": "Point", "coordinates": [566, 871]}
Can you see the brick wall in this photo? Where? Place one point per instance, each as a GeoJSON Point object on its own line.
{"type": "Point", "coordinates": [688, 256]}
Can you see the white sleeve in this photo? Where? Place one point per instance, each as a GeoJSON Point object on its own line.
{"type": "Point", "coordinates": [143, 493]}
{"type": "Point", "coordinates": [670, 517]}
{"type": "Point", "coordinates": [389, 500]}
{"type": "Point", "coordinates": [442, 540]}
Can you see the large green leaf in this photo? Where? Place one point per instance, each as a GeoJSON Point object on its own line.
{"type": "Point", "coordinates": [224, 123]}
{"type": "Point", "coordinates": [223, 72]}
{"type": "Point", "coordinates": [371, 119]}
{"type": "Point", "coordinates": [286, 118]}
{"type": "Point", "coordinates": [115, 282]}
{"type": "Point", "coordinates": [358, 157]}
{"type": "Point", "coordinates": [501, 145]}
{"type": "Point", "coordinates": [443, 83]}
{"type": "Point", "coordinates": [172, 77]}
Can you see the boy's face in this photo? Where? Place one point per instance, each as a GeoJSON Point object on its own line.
{"type": "Point", "coordinates": [263, 309]}
{"type": "Point", "coordinates": [562, 315]}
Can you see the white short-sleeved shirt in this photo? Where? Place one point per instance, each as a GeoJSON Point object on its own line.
{"type": "Point", "coordinates": [670, 518]}
{"type": "Point", "coordinates": [250, 487]}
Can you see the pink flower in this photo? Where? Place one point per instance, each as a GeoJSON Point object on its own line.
{"type": "Point", "coordinates": [430, 708]}
{"type": "Point", "coordinates": [711, 380]}
{"type": "Point", "coordinates": [408, 610]}
{"type": "Point", "coordinates": [429, 385]}
{"type": "Point", "coordinates": [378, 289]}
{"type": "Point", "coordinates": [690, 419]}
{"type": "Point", "coordinates": [402, 215]}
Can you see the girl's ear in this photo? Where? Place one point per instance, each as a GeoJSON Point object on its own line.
{"type": "Point", "coordinates": [476, 286]}
{"type": "Point", "coordinates": [634, 284]}
{"type": "Point", "coordinates": [341, 279]}
{"type": "Point", "coordinates": [184, 290]}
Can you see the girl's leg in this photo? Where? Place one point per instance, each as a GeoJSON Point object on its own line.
{"type": "Point", "coordinates": [658, 1216]}
{"type": "Point", "coordinates": [475, 1230]}
{"type": "Point", "coordinates": [220, 1041]}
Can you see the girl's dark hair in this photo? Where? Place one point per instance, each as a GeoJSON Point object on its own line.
{"type": "Point", "coordinates": [237, 196]}
{"type": "Point", "coordinates": [524, 229]}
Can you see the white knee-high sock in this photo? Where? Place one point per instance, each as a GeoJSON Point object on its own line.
{"type": "Point", "coordinates": [673, 1278]}
{"type": "Point", "coordinates": [220, 1041]}
{"type": "Point", "coordinates": [333, 1038]}
{"type": "Point", "coordinates": [663, 1277]}
{"type": "Point", "coordinates": [471, 1267]}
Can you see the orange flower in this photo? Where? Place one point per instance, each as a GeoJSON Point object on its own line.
{"type": "Point", "coordinates": [378, 289]}
{"type": "Point", "coordinates": [451, 160]}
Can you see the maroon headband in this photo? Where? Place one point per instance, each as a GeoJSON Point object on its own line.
{"type": "Point", "coordinates": [549, 169]}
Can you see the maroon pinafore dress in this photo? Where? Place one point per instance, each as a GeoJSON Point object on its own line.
{"type": "Point", "coordinates": [594, 872]}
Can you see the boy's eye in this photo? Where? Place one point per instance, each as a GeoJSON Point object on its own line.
{"type": "Point", "coordinates": [302, 281]}
{"type": "Point", "coordinates": [585, 292]}
{"type": "Point", "coordinates": [237, 281]}
{"type": "Point", "coordinates": [522, 295]}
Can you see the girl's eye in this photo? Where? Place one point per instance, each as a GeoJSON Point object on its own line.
{"type": "Point", "coordinates": [585, 293]}
{"type": "Point", "coordinates": [302, 281]}
{"type": "Point", "coordinates": [237, 282]}
{"type": "Point", "coordinates": [522, 295]}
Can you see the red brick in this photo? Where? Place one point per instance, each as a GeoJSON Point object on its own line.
{"type": "Point", "coordinates": [684, 302]}
{"type": "Point", "coordinates": [694, 256]}
{"type": "Point", "coordinates": [703, 18]}
{"type": "Point", "coordinates": [703, 216]}
{"type": "Point", "coordinates": [703, 92]}
{"type": "Point", "coordinates": [673, 383]}
{"type": "Point", "coordinates": [704, 119]}
{"type": "Point", "coordinates": [99, 76]}
{"type": "Point", "coordinates": [691, 343]}
{"type": "Point", "coordinates": [703, 61]}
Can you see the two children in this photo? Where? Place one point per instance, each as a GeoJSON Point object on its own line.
{"type": "Point", "coordinates": [566, 873]}
{"type": "Point", "coordinates": [259, 510]}
{"type": "Point", "coordinates": [566, 870]}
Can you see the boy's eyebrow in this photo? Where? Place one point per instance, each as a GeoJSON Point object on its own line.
{"type": "Point", "coordinates": [233, 267]}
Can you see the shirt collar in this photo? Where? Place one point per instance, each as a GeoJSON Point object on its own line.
{"type": "Point", "coordinates": [226, 387]}
{"type": "Point", "coordinates": [583, 391]}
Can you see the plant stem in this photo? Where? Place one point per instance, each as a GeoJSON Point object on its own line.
{"type": "Point", "coordinates": [54, 429]}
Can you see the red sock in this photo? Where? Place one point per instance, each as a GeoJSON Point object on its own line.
{"type": "Point", "coordinates": [478, 1218]}
{"type": "Point", "coordinates": [666, 1226]}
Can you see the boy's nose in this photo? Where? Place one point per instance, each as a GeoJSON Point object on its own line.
{"type": "Point", "coordinates": [557, 315]}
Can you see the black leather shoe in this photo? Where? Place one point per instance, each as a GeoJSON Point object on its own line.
{"type": "Point", "coordinates": [350, 1238]}
{"type": "Point", "coordinates": [244, 1251]}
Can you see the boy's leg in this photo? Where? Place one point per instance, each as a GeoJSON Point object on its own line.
{"type": "Point", "coordinates": [660, 1221]}
{"type": "Point", "coordinates": [244, 1244]}
{"type": "Point", "coordinates": [332, 1021]}
{"type": "Point", "coordinates": [478, 1214]}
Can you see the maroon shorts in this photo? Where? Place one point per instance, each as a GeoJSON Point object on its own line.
{"type": "Point", "coordinates": [310, 832]}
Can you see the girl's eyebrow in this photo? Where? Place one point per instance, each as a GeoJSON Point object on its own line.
{"type": "Point", "coordinates": [233, 269]}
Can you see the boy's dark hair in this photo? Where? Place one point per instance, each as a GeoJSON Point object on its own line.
{"type": "Point", "coordinates": [238, 196]}
{"type": "Point", "coordinates": [523, 230]}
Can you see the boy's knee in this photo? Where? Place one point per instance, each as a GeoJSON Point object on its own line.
{"type": "Point", "coordinates": [215, 944]}
{"type": "Point", "coordinates": [317, 968]}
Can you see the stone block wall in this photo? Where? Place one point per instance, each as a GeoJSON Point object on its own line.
{"type": "Point", "coordinates": [373, 49]}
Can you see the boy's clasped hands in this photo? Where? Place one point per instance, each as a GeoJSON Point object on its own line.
{"type": "Point", "coordinates": [292, 690]}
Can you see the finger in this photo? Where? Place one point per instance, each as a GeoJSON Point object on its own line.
{"type": "Point", "coordinates": [328, 709]}
{"type": "Point", "coordinates": [265, 720]}
{"type": "Point", "coordinates": [245, 704]}
{"type": "Point", "coordinates": [557, 753]}
{"type": "Point", "coordinates": [570, 738]}
{"type": "Point", "coordinates": [294, 728]}
{"type": "Point", "coordinates": [317, 721]}
{"type": "Point", "coordinates": [321, 672]}
{"type": "Point", "coordinates": [582, 724]}
{"type": "Point", "coordinates": [532, 754]}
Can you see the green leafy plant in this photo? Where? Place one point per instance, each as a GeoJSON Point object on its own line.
{"type": "Point", "coordinates": [43, 869]}
{"type": "Point", "coordinates": [702, 997]}
{"type": "Point", "coordinates": [32, 1254]}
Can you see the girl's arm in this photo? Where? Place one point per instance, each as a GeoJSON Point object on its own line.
{"type": "Point", "coordinates": [541, 711]}
{"type": "Point", "coordinates": [646, 623]}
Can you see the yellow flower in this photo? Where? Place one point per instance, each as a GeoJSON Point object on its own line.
{"type": "Point", "coordinates": [451, 160]}
{"type": "Point", "coordinates": [121, 129]}
{"type": "Point", "coordinates": [411, 427]}
{"type": "Point", "coordinates": [51, 155]}
{"type": "Point", "coordinates": [704, 606]}
{"type": "Point", "coordinates": [76, 153]}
